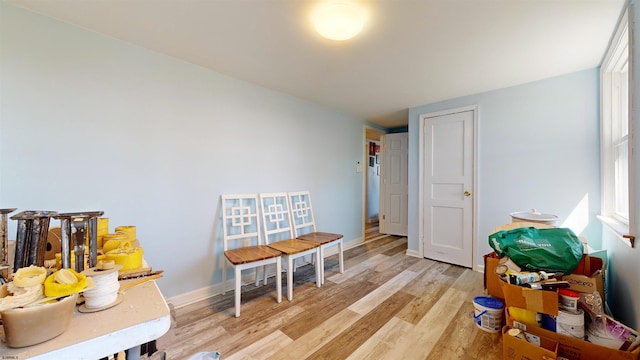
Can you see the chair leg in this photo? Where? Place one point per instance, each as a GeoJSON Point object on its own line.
{"type": "Point", "coordinates": [290, 278]}
{"type": "Point", "coordinates": [321, 249]}
{"type": "Point", "coordinates": [224, 276]}
{"type": "Point", "coordinates": [257, 276]}
{"type": "Point", "coordinates": [317, 266]}
{"type": "Point", "coordinates": [238, 279]}
{"type": "Point", "coordinates": [340, 257]}
{"type": "Point", "coordinates": [264, 275]}
{"type": "Point", "coordinates": [279, 278]}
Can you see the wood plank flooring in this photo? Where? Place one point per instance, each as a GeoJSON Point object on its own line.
{"type": "Point", "coordinates": [386, 305]}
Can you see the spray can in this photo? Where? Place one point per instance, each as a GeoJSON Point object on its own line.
{"type": "Point", "coordinates": [528, 277]}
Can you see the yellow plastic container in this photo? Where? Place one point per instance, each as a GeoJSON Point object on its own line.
{"type": "Point", "coordinates": [55, 289]}
{"type": "Point", "coordinates": [112, 241]}
{"type": "Point", "coordinates": [130, 230]}
{"type": "Point", "coordinates": [129, 257]}
{"type": "Point", "coordinates": [525, 316]}
{"type": "Point", "coordinates": [103, 229]}
{"type": "Point", "coordinates": [59, 260]}
{"type": "Point", "coordinates": [73, 260]}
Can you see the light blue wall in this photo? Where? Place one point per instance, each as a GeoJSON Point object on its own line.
{"type": "Point", "coordinates": [624, 262]}
{"type": "Point", "coordinates": [538, 147]}
{"type": "Point", "coordinates": [88, 122]}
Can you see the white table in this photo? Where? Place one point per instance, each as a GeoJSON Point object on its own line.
{"type": "Point", "coordinates": [141, 317]}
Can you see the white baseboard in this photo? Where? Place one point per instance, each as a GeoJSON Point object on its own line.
{"type": "Point", "coordinates": [413, 253]}
{"type": "Point", "coordinates": [196, 295]}
{"type": "Point", "coordinates": [208, 291]}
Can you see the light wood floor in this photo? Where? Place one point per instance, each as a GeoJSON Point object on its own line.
{"type": "Point", "coordinates": [386, 305]}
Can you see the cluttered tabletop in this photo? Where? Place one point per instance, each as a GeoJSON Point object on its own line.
{"type": "Point", "coordinates": [75, 291]}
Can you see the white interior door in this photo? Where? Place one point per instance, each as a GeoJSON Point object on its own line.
{"type": "Point", "coordinates": [447, 186]}
{"type": "Point", "coordinates": [394, 187]}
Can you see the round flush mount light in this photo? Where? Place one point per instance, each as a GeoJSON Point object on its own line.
{"type": "Point", "coordinates": [338, 20]}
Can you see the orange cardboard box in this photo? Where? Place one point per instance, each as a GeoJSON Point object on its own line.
{"type": "Point", "coordinates": [491, 280]}
{"type": "Point", "coordinates": [588, 276]}
{"type": "Point", "coordinates": [536, 347]}
{"type": "Point", "coordinates": [572, 348]}
{"type": "Point", "coordinates": [541, 301]}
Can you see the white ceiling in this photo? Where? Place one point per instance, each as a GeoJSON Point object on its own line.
{"type": "Point", "coordinates": [411, 52]}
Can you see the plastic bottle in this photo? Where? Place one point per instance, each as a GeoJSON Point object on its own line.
{"type": "Point", "coordinates": [528, 277]}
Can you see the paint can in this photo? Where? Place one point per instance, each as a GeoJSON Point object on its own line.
{"type": "Point", "coordinates": [568, 300]}
{"type": "Point", "coordinates": [488, 313]}
{"type": "Point", "coordinates": [549, 322]}
{"type": "Point", "coordinates": [570, 323]}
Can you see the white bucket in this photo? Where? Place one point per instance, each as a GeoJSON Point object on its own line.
{"type": "Point", "coordinates": [535, 217]}
{"type": "Point", "coordinates": [570, 323]}
{"type": "Point", "coordinates": [488, 313]}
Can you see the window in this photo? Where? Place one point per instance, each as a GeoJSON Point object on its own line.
{"type": "Point", "coordinates": [615, 78]}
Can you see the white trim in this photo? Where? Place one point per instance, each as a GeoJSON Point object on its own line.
{"type": "Point", "coordinates": [364, 162]}
{"type": "Point", "coordinates": [617, 228]}
{"type": "Point", "coordinates": [632, 168]}
{"type": "Point", "coordinates": [610, 63]}
{"type": "Point", "coordinates": [474, 231]}
{"type": "Point", "coordinates": [413, 253]}
{"type": "Point", "coordinates": [196, 295]}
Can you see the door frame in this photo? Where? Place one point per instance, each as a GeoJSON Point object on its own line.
{"type": "Point", "coordinates": [475, 198]}
{"type": "Point", "coordinates": [365, 163]}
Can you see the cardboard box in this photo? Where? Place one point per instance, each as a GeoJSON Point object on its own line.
{"type": "Point", "coordinates": [572, 348]}
{"type": "Point", "coordinates": [492, 282]}
{"type": "Point", "coordinates": [536, 347]}
{"type": "Point", "coordinates": [541, 301]}
{"type": "Point", "coordinates": [588, 276]}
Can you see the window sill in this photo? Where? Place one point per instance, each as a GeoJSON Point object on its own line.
{"type": "Point", "coordinates": [619, 229]}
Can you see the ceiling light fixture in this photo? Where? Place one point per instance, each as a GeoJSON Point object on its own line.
{"type": "Point", "coordinates": [338, 20]}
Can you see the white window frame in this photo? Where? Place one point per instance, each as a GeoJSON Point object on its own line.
{"type": "Point", "coordinates": [616, 114]}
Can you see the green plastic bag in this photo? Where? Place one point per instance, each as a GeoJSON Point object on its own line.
{"type": "Point", "coordinates": [556, 250]}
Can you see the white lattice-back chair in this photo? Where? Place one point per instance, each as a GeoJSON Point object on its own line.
{"type": "Point", "coordinates": [304, 228]}
{"type": "Point", "coordinates": [242, 242]}
{"type": "Point", "coordinates": [276, 222]}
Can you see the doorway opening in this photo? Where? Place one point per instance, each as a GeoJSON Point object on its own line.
{"type": "Point", "coordinates": [371, 161]}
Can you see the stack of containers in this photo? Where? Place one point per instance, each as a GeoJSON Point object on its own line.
{"type": "Point", "coordinates": [123, 248]}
